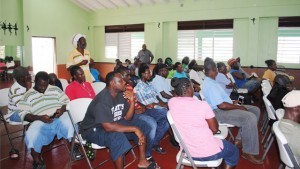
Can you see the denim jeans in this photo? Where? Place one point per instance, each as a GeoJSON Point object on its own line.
{"type": "Point", "coordinates": [247, 122]}
{"type": "Point", "coordinates": [229, 153]}
{"type": "Point", "coordinates": [40, 134]}
{"type": "Point", "coordinates": [15, 117]}
{"type": "Point", "coordinates": [160, 116]}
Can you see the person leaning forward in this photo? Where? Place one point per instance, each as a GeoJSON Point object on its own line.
{"type": "Point", "coordinates": [108, 122]}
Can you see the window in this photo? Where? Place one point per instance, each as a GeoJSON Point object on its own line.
{"type": "Point", "coordinates": [123, 45]}
{"type": "Point", "coordinates": [2, 52]}
{"type": "Point", "coordinates": [288, 49]}
{"type": "Point", "coordinates": [199, 44]}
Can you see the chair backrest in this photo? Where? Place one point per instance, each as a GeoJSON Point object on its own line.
{"type": "Point", "coordinates": [267, 84]}
{"type": "Point", "coordinates": [4, 97]}
{"type": "Point", "coordinates": [265, 90]}
{"type": "Point", "coordinates": [270, 109]}
{"type": "Point", "coordinates": [279, 113]}
{"type": "Point", "coordinates": [285, 151]}
{"type": "Point", "coordinates": [77, 109]}
{"type": "Point", "coordinates": [98, 87]}
{"type": "Point", "coordinates": [231, 77]}
{"type": "Point", "coordinates": [64, 83]}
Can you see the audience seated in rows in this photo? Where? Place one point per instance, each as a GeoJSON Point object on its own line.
{"type": "Point", "coordinates": [46, 120]}
{"type": "Point", "coordinates": [227, 111]}
{"type": "Point", "coordinates": [192, 115]}
{"type": "Point", "coordinates": [54, 81]}
{"type": "Point", "coordinates": [281, 87]}
{"type": "Point", "coordinates": [110, 109]}
{"type": "Point", "coordinates": [139, 111]}
{"type": "Point", "coordinates": [146, 95]}
{"type": "Point", "coordinates": [290, 123]}
{"type": "Point", "coordinates": [79, 88]}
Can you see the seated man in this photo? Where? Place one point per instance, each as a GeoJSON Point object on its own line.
{"type": "Point", "coordinates": [226, 111]}
{"type": "Point", "coordinates": [108, 122]}
{"type": "Point", "coordinates": [44, 106]}
{"type": "Point", "coordinates": [146, 95]}
{"type": "Point", "coordinates": [179, 71]}
{"type": "Point", "coordinates": [54, 81]}
{"type": "Point", "coordinates": [289, 124]}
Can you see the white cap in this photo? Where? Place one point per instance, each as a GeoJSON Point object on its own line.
{"type": "Point", "coordinates": [292, 99]}
{"type": "Point", "coordinates": [76, 37]}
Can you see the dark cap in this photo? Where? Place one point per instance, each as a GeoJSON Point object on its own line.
{"type": "Point", "coordinates": [161, 66]}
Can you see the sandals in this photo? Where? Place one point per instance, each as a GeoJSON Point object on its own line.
{"type": "Point", "coordinates": [152, 165]}
{"type": "Point", "coordinates": [91, 153]}
{"type": "Point", "coordinates": [14, 153]}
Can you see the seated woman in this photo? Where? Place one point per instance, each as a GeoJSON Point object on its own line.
{"type": "Point", "coordinates": [79, 88]}
{"type": "Point", "coordinates": [196, 124]}
{"type": "Point", "coordinates": [179, 73]}
{"type": "Point", "coordinates": [282, 85]}
{"type": "Point", "coordinates": [252, 84]}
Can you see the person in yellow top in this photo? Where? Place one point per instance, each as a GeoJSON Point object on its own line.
{"type": "Point", "coordinates": [80, 56]}
{"type": "Point", "coordinates": [270, 72]}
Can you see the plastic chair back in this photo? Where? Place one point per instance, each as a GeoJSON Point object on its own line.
{"type": "Point", "coordinates": [279, 113]}
{"type": "Point", "coordinates": [269, 108]}
{"type": "Point", "coordinates": [78, 108]}
{"type": "Point", "coordinates": [4, 97]}
{"type": "Point", "coordinates": [98, 87]}
{"type": "Point", "coordinates": [64, 83]}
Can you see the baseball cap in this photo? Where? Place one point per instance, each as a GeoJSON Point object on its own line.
{"type": "Point", "coordinates": [292, 99]}
{"type": "Point", "coordinates": [231, 61]}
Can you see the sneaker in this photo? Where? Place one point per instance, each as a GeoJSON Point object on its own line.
{"type": "Point", "coordinates": [76, 153]}
{"type": "Point", "coordinates": [174, 143]}
{"type": "Point", "coordinates": [159, 149]}
{"type": "Point", "coordinates": [150, 159]}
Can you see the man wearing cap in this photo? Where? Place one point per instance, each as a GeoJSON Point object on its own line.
{"type": "Point", "coordinates": [80, 56]}
{"type": "Point", "coordinates": [289, 124]}
{"type": "Point", "coordinates": [145, 55]}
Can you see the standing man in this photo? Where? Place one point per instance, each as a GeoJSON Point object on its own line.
{"type": "Point", "coordinates": [290, 123]}
{"type": "Point", "coordinates": [80, 56]}
{"type": "Point", "coordinates": [145, 55]}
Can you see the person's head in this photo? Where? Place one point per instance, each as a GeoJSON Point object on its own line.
{"type": "Point", "coordinates": [221, 67]}
{"type": "Point", "coordinates": [52, 78]}
{"type": "Point", "coordinates": [192, 64]}
{"type": "Point", "coordinates": [124, 71]}
{"type": "Point", "coordinates": [79, 41]}
{"type": "Point", "coordinates": [185, 60]}
{"type": "Point", "coordinates": [128, 62]}
{"type": "Point", "coordinates": [160, 61]}
{"type": "Point", "coordinates": [238, 59]}
{"type": "Point", "coordinates": [163, 70]}
{"type": "Point", "coordinates": [1, 60]}
{"type": "Point", "coordinates": [210, 69]}
{"type": "Point", "coordinates": [271, 64]}
{"type": "Point", "coordinates": [144, 73]}
{"type": "Point", "coordinates": [291, 103]}
{"type": "Point", "coordinates": [144, 47]}
{"type": "Point", "coordinates": [178, 67]}
{"type": "Point", "coordinates": [77, 74]}
{"type": "Point", "coordinates": [115, 82]}
{"type": "Point", "coordinates": [282, 81]}
{"type": "Point", "coordinates": [117, 60]}
{"type": "Point", "coordinates": [183, 87]}
{"type": "Point", "coordinates": [131, 69]}
{"type": "Point", "coordinates": [233, 63]}
{"type": "Point", "coordinates": [21, 75]}
{"type": "Point", "coordinates": [168, 61]}
{"type": "Point", "coordinates": [41, 81]}
{"type": "Point", "coordinates": [208, 59]}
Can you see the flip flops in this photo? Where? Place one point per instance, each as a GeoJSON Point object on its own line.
{"type": "Point", "coordinates": [152, 165]}
{"type": "Point", "coordinates": [91, 153]}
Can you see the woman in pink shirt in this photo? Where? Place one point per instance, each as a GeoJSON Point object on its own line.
{"type": "Point", "coordinates": [197, 125]}
{"type": "Point", "coordinates": [79, 88]}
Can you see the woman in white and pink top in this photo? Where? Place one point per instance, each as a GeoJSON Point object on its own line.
{"type": "Point", "coordinates": [197, 124]}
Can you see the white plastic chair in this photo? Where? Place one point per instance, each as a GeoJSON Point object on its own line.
{"type": "Point", "coordinates": [98, 87]}
{"type": "Point", "coordinates": [64, 83]}
{"type": "Point", "coordinates": [286, 154]}
{"type": "Point", "coordinates": [188, 160]}
{"type": "Point", "coordinates": [229, 131]}
{"type": "Point", "coordinates": [279, 113]}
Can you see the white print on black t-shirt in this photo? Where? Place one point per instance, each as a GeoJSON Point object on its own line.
{"type": "Point", "coordinates": [117, 111]}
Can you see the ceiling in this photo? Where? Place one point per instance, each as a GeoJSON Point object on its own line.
{"type": "Point", "coordinates": [94, 5]}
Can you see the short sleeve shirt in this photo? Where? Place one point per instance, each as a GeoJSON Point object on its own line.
{"type": "Point", "coordinates": [223, 81]}
{"type": "Point", "coordinates": [239, 82]}
{"type": "Point", "coordinates": [145, 56]}
{"type": "Point", "coordinates": [105, 109]}
{"type": "Point", "coordinates": [145, 93]}
{"type": "Point", "coordinates": [269, 74]}
{"type": "Point", "coordinates": [213, 93]}
{"type": "Point", "coordinates": [195, 76]}
{"type": "Point", "coordinates": [15, 93]}
{"type": "Point", "coordinates": [161, 84]}
{"type": "Point", "coordinates": [180, 75]}
{"type": "Point", "coordinates": [76, 90]}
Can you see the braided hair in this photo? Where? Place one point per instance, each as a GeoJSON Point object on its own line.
{"type": "Point", "coordinates": [180, 85]}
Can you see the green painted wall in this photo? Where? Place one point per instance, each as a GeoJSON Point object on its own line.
{"type": "Point", "coordinates": [252, 42]}
{"type": "Point", "coordinates": [54, 18]}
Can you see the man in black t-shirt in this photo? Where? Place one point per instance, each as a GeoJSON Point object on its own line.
{"type": "Point", "coordinates": [108, 122]}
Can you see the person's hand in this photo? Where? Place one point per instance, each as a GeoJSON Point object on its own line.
{"type": "Point", "coordinates": [235, 102]}
{"type": "Point", "coordinates": [129, 95]}
{"type": "Point", "coordinates": [58, 113]}
{"type": "Point", "coordinates": [83, 62]}
{"type": "Point", "coordinates": [140, 135]}
{"type": "Point", "coordinates": [243, 108]}
{"type": "Point", "coordinates": [45, 119]}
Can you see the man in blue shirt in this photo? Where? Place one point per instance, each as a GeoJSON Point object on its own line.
{"type": "Point", "coordinates": [227, 111]}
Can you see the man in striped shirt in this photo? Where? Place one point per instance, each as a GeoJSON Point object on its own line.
{"type": "Point", "coordinates": [44, 107]}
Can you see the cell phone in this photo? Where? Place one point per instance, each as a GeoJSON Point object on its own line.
{"type": "Point", "coordinates": [241, 100]}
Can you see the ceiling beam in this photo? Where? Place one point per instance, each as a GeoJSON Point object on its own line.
{"type": "Point", "coordinates": [86, 5]}
{"type": "Point", "coordinates": [113, 4]}
{"type": "Point", "coordinates": [101, 4]}
{"type": "Point", "coordinates": [81, 6]}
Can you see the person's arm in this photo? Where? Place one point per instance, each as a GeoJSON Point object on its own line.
{"type": "Point", "coordinates": [129, 95]}
{"type": "Point", "coordinates": [31, 118]}
{"type": "Point", "coordinates": [60, 111]}
{"type": "Point", "coordinates": [83, 62]}
{"type": "Point", "coordinates": [213, 125]}
{"type": "Point", "coordinates": [151, 57]}
{"type": "Point", "coordinates": [116, 127]}
{"type": "Point", "coordinates": [229, 106]}
{"type": "Point", "coordinates": [238, 75]}
{"type": "Point", "coordinates": [165, 95]}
